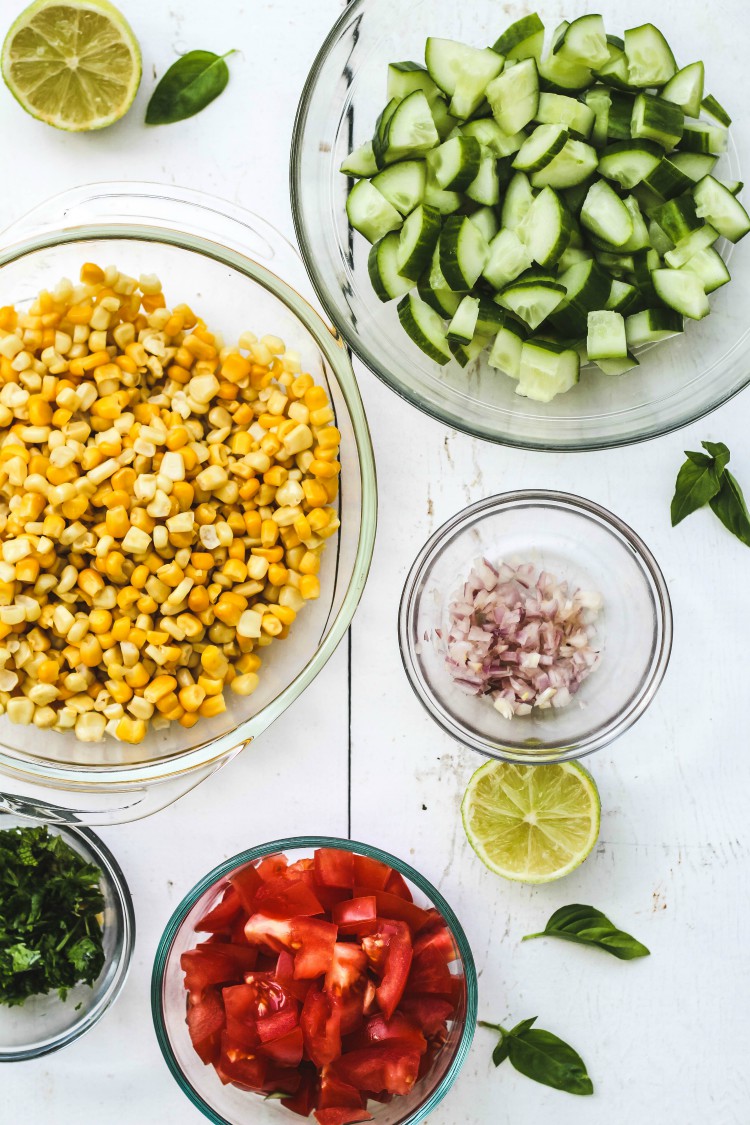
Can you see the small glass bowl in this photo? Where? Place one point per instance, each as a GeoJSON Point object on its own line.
{"type": "Point", "coordinates": [45, 1023]}
{"type": "Point", "coordinates": [678, 380]}
{"type": "Point", "coordinates": [228, 1105]}
{"type": "Point", "coordinates": [578, 541]}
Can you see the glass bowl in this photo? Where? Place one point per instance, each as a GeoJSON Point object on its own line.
{"type": "Point", "coordinates": [228, 1105]}
{"type": "Point", "coordinates": [678, 381]}
{"type": "Point", "coordinates": [45, 1023]}
{"type": "Point", "coordinates": [576, 540]}
{"type": "Point", "coordinates": [239, 274]}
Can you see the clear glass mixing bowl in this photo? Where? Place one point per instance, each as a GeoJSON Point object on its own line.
{"type": "Point", "coordinates": [678, 381]}
{"type": "Point", "coordinates": [580, 542]}
{"type": "Point", "coordinates": [229, 1105]}
{"type": "Point", "coordinates": [240, 274]}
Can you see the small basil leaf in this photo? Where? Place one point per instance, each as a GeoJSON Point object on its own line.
{"type": "Point", "coordinates": [585, 925]}
{"type": "Point", "coordinates": [720, 454]}
{"type": "Point", "coordinates": [500, 1054]}
{"type": "Point", "coordinates": [696, 485]}
{"type": "Point", "coordinates": [540, 1055]}
{"type": "Point", "coordinates": [524, 1025]}
{"type": "Point", "coordinates": [729, 505]}
{"type": "Point", "coordinates": [190, 84]}
{"type": "Point", "coordinates": [699, 458]}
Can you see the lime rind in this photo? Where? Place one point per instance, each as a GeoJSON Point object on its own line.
{"type": "Point", "coordinates": [531, 824]}
{"type": "Point", "coordinates": [73, 64]}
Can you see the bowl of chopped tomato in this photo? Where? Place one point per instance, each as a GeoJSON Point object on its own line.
{"type": "Point", "coordinates": [315, 977]}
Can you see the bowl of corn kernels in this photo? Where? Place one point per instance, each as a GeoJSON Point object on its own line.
{"type": "Point", "coordinates": [187, 491]}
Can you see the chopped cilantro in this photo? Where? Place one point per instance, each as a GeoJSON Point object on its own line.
{"type": "Point", "coordinates": [50, 899]}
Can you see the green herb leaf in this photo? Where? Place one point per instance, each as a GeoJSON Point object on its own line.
{"type": "Point", "coordinates": [542, 1056]}
{"type": "Point", "coordinates": [50, 899]}
{"type": "Point", "coordinates": [189, 85]}
{"type": "Point", "coordinates": [500, 1054]}
{"type": "Point", "coordinates": [587, 926]}
{"type": "Point", "coordinates": [729, 505]}
{"type": "Point", "coordinates": [720, 454]}
{"type": "Point", "coordinates": [22, 958]}
{"type": "Point", "coordinates": [697, 482]}
{"type": "Point", "coordinates": [547, 1059]}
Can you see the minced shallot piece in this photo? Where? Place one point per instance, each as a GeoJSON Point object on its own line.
{"type": "Point", "coordinates": [522, 637]}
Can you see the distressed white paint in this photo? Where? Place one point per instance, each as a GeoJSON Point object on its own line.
{"type": "Point", "coordinates": [666, 1039]}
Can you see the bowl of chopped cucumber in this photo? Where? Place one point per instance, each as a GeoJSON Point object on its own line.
{"type": "Point", "coordinates": [528, 228]}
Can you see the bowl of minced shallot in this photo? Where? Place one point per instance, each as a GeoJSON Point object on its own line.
{"type": "Point", "coordinates": [535, 626]}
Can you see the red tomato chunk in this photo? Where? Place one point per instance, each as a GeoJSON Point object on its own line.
{"type": "Point", "coordinates": [321, 981]}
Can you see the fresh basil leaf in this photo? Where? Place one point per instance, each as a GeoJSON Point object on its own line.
{"type": "Point", "coordinates": [545, 1058]}
{"type": "Point", "coordinates": [720, 454]}
{"type": "Point", "coordinates": [585, 925]}
{"type": "Point", "coordinates": [696, 484]}
{"type": "Point", "coordinates": [699, 458]}
{"type": "Point", "coordinates": [524, 1025]}
{"type": "Point", "coordinates": [190, 84]}
{"type": "Point", "coordinates": [500, 1053]}
{"type": "Point", "coordinates": [729, 505]}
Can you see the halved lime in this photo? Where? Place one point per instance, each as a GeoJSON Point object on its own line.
{"type": "Point", "coordinates": [531, 823]}
{"type": "Point", "coordinates": [74, 64]}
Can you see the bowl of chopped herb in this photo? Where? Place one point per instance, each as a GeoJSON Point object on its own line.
{"type": "Point", "coordinates": [66, 935]}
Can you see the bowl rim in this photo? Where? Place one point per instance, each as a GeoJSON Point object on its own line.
{"type": "Point", "coordinates": [306, 842]}
{"type": "Point", "coordinates": [609, 730]}
{"type": "Point", "coordinates": [211, 752]}
{"type": "Point", "coordinates": [349, 15]}
{"type": "Point", "coordinates": [93, 847]}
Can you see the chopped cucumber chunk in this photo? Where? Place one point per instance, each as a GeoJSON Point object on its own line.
{"type": "Point", "coordinates": [406, 77]}
{"type": "Point", "coordinates": [685, 89]}
{"type": "Point", "coordinates": [417, 241]}
{"type": "Point", "coordinates": [605, 338]}
{"type": "Point", "coordinates": [506, 350]}
{"type": "Point", "coordinates": [425, 328]}
{"type": "Point", "coordinates": [629, 162]}
{"type": "Point", "coordinates": [361, 162]}
{"type": "Point", "coordinates": [573, 165]}
{"type": "Point", "coordinates": [370, 213]}
{"type": "Point", "coordinates": [700, 136]}
{"type": "Point", "coordinates": [547, 369]}
{"type": "Point", "coordinates": [656, 119]}
{"type": "Point", "coordinates": [514, 96]}
{"type": "Point", "coordinates": [402, 184]}
{"type": "Point", "coordinates": [650, 60]}
{"type": "Point", "coordinates": [710, 267]}
{"type": "Point", "coordinates": [584, 43]}
{"type": "Point", "coordinates": [682, 292]}
{"type": "Point", "coordinates": [559, 109]}
{"type": "Point", "coordinates": [523, 39]}
{"type": "Point", "coordinates": [382, 266]}
{"type": "Point", "coordinates": [539, 149]}
{"type": "Point", "coordinates": [464, 252]}
{"type": "Point", "coordinates": [532, 297]}
{"type": "Point", "coordinates": [509, 257]}
{"type": "Point", "coordinates": [547, 227]}
{"type": "Point", "coordinates": [448, 62]}
{"type": "Point", "coordinates": [650, 325]}
{"type": "Point", "coordinates": [464, 321]}
{"type": "Point", "coordinates": [721, 209]}
{"type": "Point", "coordinates": [605, 214]}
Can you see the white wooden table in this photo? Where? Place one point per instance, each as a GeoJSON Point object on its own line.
{"type": "Point", "coordinates": [666, 1039]}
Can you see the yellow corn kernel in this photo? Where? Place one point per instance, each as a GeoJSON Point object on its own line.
{"type": "Point", "coordinates": [229, 608]}
{"type": "Point", "coordinates": [271, 625]}
{"type": "Point", "coordinates": [91, 274]}
{"type": "Point", "coordinates": [213, 661]}
{"type": "Point", "coordinates": [309, 587]}
{"type": "Point", "coordinates": [245, 684]}
{"type": "Point", "coordinates": [131, 730]}
{"type": "Point", "coordinates": [212, 685]}
{"type": "Point", "coordinates": [120, 691]}
{"type": "Point", "coordinates": [27, 570]}
{"type": "Point", "coordinates": [48, 672]}
{"type": "Point", "coordinates": [159, 688]}
{"type": "Point", "coordinates": [277, 574]}
{"type": "Point", "coordinates": [100, 621]}
{"type": "Point", "coordinates": [284, 613]}
{"type": "Point", "coordinates": [191, 697]}
{"type": "Point", "coordinates": [214, 705]}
